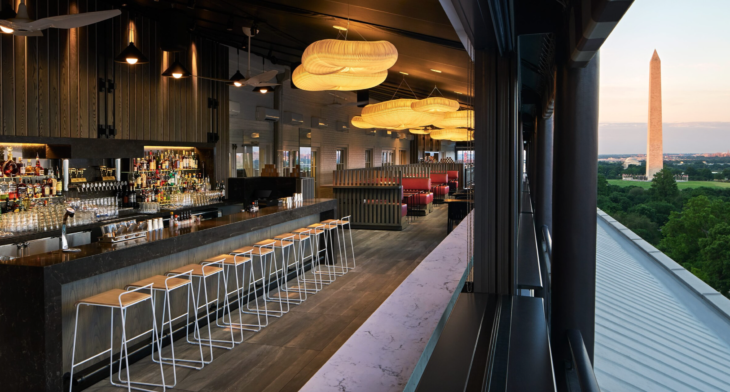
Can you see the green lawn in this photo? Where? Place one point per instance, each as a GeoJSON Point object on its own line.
{"type": "Point", "coordinates": [680, 185]}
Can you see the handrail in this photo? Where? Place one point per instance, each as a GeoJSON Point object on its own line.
{"type": "Point", "coordinates": [547, 243]}
{"type": "Point", "coordinates": [581, 362]}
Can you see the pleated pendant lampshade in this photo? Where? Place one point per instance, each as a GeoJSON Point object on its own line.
{"type": "Point", "coordinates": [398, 114]}
{"type": "Point", "coordinates": [342, 81]}
{"type": "Point", "coordinates": [436, 104]}
{"type": "Point", "coordinates": [453, 134]}
{"type": "Point", "coordinates": [460, 119]}
{"type": "Point", "coordinates": [331, 56]}
{"type": "Point", "coordinates": [419, 131]}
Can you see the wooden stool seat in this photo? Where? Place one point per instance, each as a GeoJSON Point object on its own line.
{"type": "Point", "coordinates": [198, 270]}
{"type": "Point", "coordinates": [256, 251]}
{"type": "Point", "coordinates": [277, 243]}
{"type": "Point", "coordinates": [158, 282]}
{"type": "Point", "coordinates": [228, 259]}
{"type": "Point", "coordinates": [111, 298]}
{"type": "Point", "coordinates": [293, 236]}
{"type": "Point", "coordinates": [304, 230]}
{"type": "Point", "coordinates": [316, 226]}
{"type": "Point", "coordinates": [267, 242]}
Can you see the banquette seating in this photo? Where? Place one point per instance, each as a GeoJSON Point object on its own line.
{"type": "Point", "coordinates": [453, 180]}
{"type": "Point", "coordinates": [417, 194]}
{"type": "Point", "coordinates": [439, 187]}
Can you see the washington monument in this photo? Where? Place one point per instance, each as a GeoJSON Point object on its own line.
{"type": "Point", "coordinates": [654, 153]}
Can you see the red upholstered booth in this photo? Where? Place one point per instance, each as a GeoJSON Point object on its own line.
{"type": "Point", "coordinates": [417, 194]}
{"type": "Point", "coordinates": [439, 186]}
{"type": "Point", "coordinates": [453, 180]}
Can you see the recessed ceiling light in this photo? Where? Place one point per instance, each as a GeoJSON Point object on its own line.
{"type": "Point", "coordinates": [340, 28]}
{"type": "Point", "coordinates": [404, 73]}
{"type": "Point", "coordinates": [459, 93]}
{"type": "Point", "coordinates": [436, 70]}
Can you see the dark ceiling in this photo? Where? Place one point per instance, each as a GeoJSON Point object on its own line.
{"type": "Point", "coordinates": [419, 29]}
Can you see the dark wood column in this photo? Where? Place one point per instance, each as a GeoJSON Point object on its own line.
{"type": "Point", "coordinates": [574, 210]}
{"type": "Point", "coordinates": [496, 172]}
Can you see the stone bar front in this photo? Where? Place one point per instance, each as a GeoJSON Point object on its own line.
{"type": "Point", "coordinates": [39, 292]}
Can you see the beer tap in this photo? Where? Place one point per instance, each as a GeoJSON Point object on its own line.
{"type": "Point", "coordinates": [64, 241]}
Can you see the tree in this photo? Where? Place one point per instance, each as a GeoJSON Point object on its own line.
{"type": "Point", "coordinates": [664, 187]}
{"type": "Point", "coordinates": [641, 225]}
{"type": "Point", "coordinates": [602, 185]}
{"type": "Point", "coordinates": [716, 258]}
{"type": "Point", "coordinates": [683, 231]}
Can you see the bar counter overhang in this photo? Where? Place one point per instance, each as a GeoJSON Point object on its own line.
{"type": "Point", "coordinates": [34, 288]}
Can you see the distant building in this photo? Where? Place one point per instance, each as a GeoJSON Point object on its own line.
{"type": "Point", "coordinates": [631, 161]}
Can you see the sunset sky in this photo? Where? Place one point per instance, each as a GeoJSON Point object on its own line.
{"type": "Point", "coordinates": [693, 44]}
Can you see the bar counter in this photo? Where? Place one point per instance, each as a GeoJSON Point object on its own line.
{"type": "Point", "coordinates": [38, 291]}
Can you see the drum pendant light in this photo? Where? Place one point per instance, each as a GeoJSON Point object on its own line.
{"type": "Point", "coordinates": [131, 54]}
{"type": "Point", "coordinates": [338, 81]}
{"type": "Point", "coordinates": [460, 119]}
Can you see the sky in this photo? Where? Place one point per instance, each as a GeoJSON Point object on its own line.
{"type": "Point", "coordinates": [692, 41]}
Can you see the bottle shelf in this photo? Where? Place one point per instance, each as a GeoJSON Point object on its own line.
{"type": "Point", "coordinates": [3, 178]}
{"type": "Point", "coordinates": [162, 170]}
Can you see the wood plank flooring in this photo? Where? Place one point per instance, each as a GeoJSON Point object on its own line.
{"type": "Point", "coordinates": [284, 356]}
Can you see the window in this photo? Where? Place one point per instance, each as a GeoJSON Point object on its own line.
{"type": "Point", "coordinates": [387, 158]}
{"type": "Point", "coordinates": [369, 158]}
{"type": "Point", "coordinates": [341, 158]}
{"type": "Point", "coordinates": [465, 156]}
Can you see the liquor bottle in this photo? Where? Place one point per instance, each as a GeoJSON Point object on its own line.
{"type": "Point", "coordinates": [38, 168]}
{"type": "Point", "coordinates": [29, 169]}
{"type": "Point", "coordinates": [21, 167]}
{"type": "Point", "coordinates": [59, 183]}
{"type": "Point", "coordinates": [153, 164]}
{"type": "Point", "coordinates": [37, 189]}
{"type": "Point", "coordinates": [10, 168]}
{"type": "Point", "coordinates": [12, 190]}
{"type": "Point", "coordinates": [135, 164]}
{"type": "Point", "coordinates": [22, 189]}
{"type": "Point", "coordinates": [47, 187]}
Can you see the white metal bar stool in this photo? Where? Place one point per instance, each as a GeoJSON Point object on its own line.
{"type": "Point", "coordinates": [333, 225]}
{"type": "Point", "coordinates": [166, 285]}
{"type": "Point", "coordinates": [261, 253]}
{"type": "Point", "coordinates": [320, 230]}
{"type": "Point", "coordinates": [301, 238]}
{"type": "Point", "coordinates": [285, 246]}
{"type": "Point", "coordinates": [122, 300]}
{"type": "Point", "coordinates": [342, 222]}
{"type": "Point", "coordinates": [202, 273]}
{"type": "Point", "coordinates": [233, 262]}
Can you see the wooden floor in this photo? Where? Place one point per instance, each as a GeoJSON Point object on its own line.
{"type": "Point", "coordinates": [284, 355]}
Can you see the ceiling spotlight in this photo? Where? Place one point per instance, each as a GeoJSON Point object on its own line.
{"type": "Point", "coordinates": [177, 71]}
{"type": "Point", "coordinates": [436, 70]}
{"type": "Point", "coordinates": [6, 30]}
{"type": "Point", "coordinates": [340, 28]}
{"type": "Point", "coordinates": [262, 89]}
{"type": "Point", "coordinates": [404, 73]}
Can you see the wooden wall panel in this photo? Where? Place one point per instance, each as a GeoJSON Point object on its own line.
{"type": "Point", "coordinates": [50, 84]}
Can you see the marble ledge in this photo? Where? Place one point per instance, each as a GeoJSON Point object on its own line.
{"type": "Point", "coordinates": [386, 350]}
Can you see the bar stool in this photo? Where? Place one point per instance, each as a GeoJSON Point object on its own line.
{"type": "Point", "coordinates": [122, 300]}
{"type": "Point", "coordinates": [320, 230]}
{"type": "Point", "coordinates": [341, 223]}
{"type": "Point", "coordinates": [166, 285]}
{"type": "Point", "coordinates": [234, 261]}
{"type": "Point", "coordinates": [202, 273]}
{"type": "Point", "coordinates": [261, 253]}
{"type": "Point", "coordinates": [301, 237]}
{"type": "Point", "coordinates": [333, 224]}
{"type": "Point", "coordinates": [283, 244]}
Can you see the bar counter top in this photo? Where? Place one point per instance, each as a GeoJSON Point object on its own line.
{"type": "Point", "coordinates": [169, 240]}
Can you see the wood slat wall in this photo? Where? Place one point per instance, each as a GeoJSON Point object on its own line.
{"type": "Point", "coordinates": [50, 83]}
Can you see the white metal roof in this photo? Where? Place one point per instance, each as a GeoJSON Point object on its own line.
{"type": "Point", "coordinates": [652, 332]}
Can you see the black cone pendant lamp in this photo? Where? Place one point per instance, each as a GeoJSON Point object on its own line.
{"type": "Point", "coordinates": [177, 70]}
{"type": "Point", "coordinates": [237, 77]}
{"type": "Point", "coordinates": [131, 54]}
